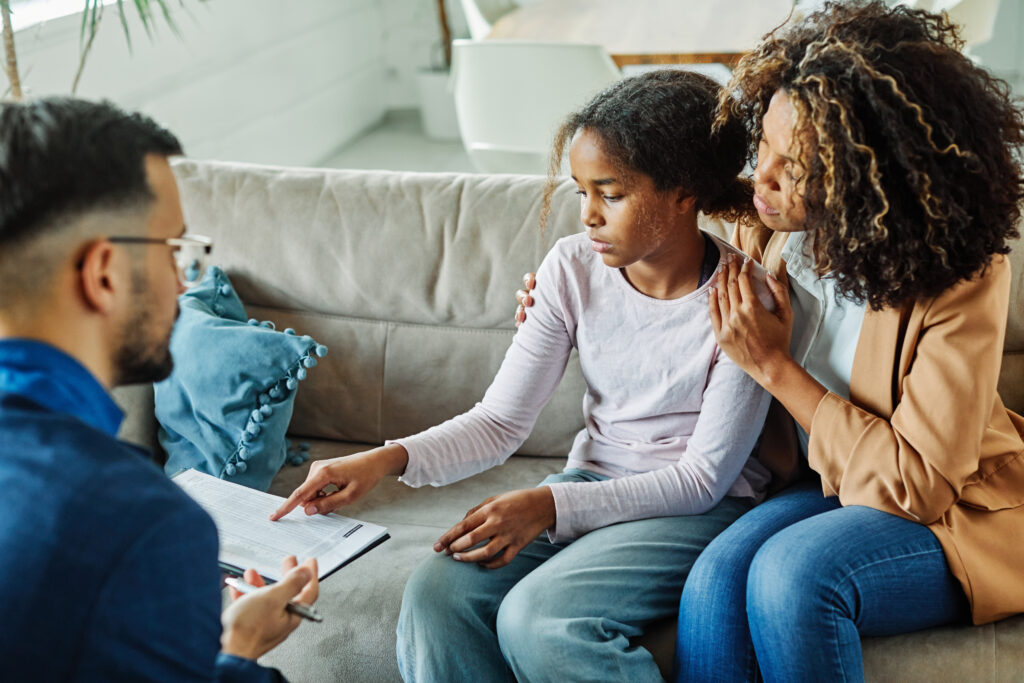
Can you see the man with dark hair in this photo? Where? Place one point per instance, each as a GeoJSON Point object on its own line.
{"type": "Point", "coordinates": [109, 569]}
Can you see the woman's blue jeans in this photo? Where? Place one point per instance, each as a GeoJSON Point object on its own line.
{"type": "Point", "coordinates": [792, 585]}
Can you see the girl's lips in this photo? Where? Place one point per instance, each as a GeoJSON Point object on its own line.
{"type": "Point", "coordinates": [763, 207]}
{"type": "Point", "coordinates": [600, 247]}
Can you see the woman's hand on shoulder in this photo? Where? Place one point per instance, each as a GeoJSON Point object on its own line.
{"type": "Point", "coordinates": [504, 524]}
{"type": "Point", "coordinates": [524, 298]}
{"type": "Point", "coordinates": [342, 481]}
{"type": "Point", "coordinates": [756, 339]}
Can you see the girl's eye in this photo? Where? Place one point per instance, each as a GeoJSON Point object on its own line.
{"type": "Point", "coordinates": [612, 197]}
{"type": "Point", "coordinates": [581, 193]}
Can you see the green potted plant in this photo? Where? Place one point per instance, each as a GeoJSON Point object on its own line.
{"type": "Point", "coordinates": [92, 14]}
{"type": "Point", "coordinates": [437, 104]}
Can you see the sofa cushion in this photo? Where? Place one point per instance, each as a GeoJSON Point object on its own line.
{"type": "Point", "coordinates": [226, 406]}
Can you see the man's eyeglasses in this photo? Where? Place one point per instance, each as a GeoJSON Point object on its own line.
{"type": "Point", "coordinates": [190, 254]}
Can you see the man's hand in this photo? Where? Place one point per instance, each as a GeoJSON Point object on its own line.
{"type": "Point", "coordinates": [256, 623]}
{"type": "Point", "coordinates": [524, 298]}
{"type": "Point", "coordinates": [508, 522]}
{"type": "Point", "coordinates": [353, 475]}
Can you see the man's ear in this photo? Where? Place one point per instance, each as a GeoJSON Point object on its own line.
{"type": "Point", "coordinates": [97, 277]}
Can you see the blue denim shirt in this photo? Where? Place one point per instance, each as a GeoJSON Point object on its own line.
{"type": "Point", "coordinates": [110, 570]}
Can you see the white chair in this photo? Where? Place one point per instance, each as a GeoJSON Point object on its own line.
{"type": "Point", "coordinates": [511, 96]}
{"type": "Point", "coordinates": [481, 15]}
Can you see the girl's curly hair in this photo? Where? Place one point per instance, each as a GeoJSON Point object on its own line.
{"type": "Point", "coordinates": [661, 124]}
{"type": "Point", "coordinates": [913, 182]}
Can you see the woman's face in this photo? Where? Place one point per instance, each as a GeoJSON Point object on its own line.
{"type": "Point", "coordinates": [779, 176]}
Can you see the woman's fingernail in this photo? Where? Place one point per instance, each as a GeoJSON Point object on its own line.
{"type": "Point", "coordinates": [438, 547]}
{"type": "Point", "coordinates": [457, 556]}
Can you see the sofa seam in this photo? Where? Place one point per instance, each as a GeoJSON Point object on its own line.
{"type": "Point", "coordinates": [383, 380]}
{"type": "Point", "coordinates": [375, 321]}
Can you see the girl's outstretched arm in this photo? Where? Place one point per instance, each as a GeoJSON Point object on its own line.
{"type": "Point", "coordinates": [532, 368]}
{"type": "Point", "coordinates": [353, 476]}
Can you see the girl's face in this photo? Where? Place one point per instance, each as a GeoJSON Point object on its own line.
{"type": "Point", "coordinates": [778, 178]}
{"type": "Point", "coordinates": [626, 218]}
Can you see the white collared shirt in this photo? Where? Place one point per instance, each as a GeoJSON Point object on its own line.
{"type": "Point", "coordinates": [825, 332]}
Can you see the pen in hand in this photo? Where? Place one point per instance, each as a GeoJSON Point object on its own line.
{"type": "Point", "coordinates": [304, 611]}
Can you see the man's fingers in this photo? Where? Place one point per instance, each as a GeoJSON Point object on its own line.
{"type": "Point", "coordinates": [311, 591]}
{"type": "Point", "coordinates": [253, 578]}
{"type": "Point", "coordinates": [291, 585]}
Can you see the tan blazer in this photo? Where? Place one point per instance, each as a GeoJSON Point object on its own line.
{"type": "Point", "coordinates": [925, 435]}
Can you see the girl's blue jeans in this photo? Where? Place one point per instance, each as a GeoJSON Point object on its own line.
{"type": "Point", "coordinates": [556, 612]}
{"type": "Point", "coordinates": [791, 587]}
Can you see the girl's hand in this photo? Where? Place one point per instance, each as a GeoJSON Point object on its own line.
{"type": "Point", "coordinates": [350, 478]}
{"type": "Point", "coordinates": [524, 298]}
{"type": "Point", "coordinates": [508, 522]}
{"type": "Point", "coordinates": [756, 339]}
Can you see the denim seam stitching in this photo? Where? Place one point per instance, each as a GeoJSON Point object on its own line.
{"type": "Point", "coordinates": [835, 590]}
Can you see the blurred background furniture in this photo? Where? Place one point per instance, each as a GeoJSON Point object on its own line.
{"type": "Point", "coordinates": [511, 96]}
{"type": "Point", "coordinates": [649, 31]}
{"type": "Point", "coordinates": [481, 15]}
{"type": "Point", "coordinates": [976, 18]}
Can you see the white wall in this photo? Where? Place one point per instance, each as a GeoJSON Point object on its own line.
{"type": "Point", "coordinates": [1004, 53]}
{"type": "Point", "coordinates": [247, 81]}
{"type": "Point", "coordinates": [412, 41]}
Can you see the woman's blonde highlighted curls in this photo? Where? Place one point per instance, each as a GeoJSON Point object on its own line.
{"type": "Point", "coordinates": [912, 180]}
{"type": "Point", "coordinates": [660, 124]}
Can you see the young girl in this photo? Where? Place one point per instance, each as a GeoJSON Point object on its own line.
{"type": "Point", "coordinates": [553, 582]}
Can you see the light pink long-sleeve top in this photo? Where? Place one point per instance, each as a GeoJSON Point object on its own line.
{"type": "Point", "coordinates": [669, 418]}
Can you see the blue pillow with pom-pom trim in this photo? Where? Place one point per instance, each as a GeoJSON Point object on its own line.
{"type": "Point", "coordinates": [226, 407]}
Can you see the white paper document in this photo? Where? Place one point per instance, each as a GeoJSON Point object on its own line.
{"type": "Point", "coordinates": [249, 539]}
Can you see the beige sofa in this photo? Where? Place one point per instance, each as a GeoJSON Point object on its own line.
{"type": "Point", "coordinates": [408, 278]}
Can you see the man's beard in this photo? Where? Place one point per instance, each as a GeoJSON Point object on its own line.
{"type": "Point", "coordinates": [144, 355]}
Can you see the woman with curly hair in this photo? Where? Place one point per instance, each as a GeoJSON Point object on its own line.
{"type": "Point", "coordinates": [888, 183]}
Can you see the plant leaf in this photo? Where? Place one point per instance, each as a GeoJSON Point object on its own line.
{"type": "Point", "coordinates": [124, 23]}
